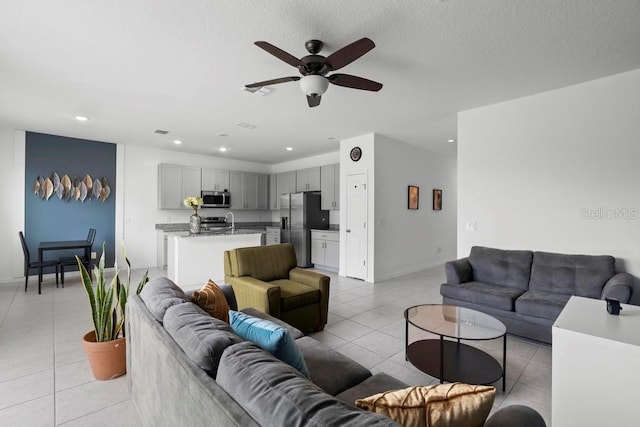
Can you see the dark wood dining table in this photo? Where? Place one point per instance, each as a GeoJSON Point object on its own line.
{"type": "Point", "coordinates": [62, 245]}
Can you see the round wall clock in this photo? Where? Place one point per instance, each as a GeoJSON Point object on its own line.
{"type": "Point", "coordinates": [355, 154]}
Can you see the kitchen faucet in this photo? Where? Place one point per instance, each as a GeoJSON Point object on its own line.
{"type": "Point", "coordinates": [233, 221]}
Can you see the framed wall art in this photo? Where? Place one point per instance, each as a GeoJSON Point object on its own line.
{"type": "Point", "coordinates": [437, 200]}
{"type": "Point", "coordinates": [413, 197]}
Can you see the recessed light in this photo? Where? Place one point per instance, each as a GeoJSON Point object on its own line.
{"type": "Point", "coordinates": [222, 149]}
{"type": "Point", "coordinates": [81, 118]}
{"type": "Point", "coordinates": [177, 142]}
{"type": "Point", "coordinates": [246, 125]}
{"type": "Point", "coordinates": [451, 140]}
{"type": "Point", "coordinates": [289, 148]}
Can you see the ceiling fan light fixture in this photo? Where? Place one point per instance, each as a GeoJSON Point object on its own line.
{"type": "Point", "coordinates": [314, 85]}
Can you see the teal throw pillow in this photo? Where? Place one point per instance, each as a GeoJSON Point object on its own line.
{"type": "Point", "coordinates": [270, 337]}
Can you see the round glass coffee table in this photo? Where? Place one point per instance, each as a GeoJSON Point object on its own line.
{"type": "Point", "coordinates": [449, 359]}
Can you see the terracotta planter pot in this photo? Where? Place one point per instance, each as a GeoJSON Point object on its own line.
{"type": "Point", "coordinates": [108, 359]}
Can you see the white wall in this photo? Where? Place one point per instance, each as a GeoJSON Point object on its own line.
{"type": "Point", "coordinates": [348, 167]}
{"type": "Point", "coordinates": [548, 172]}
{"type": "Point", "coordinates": [412, 240]}
{"type": "Point", "coordinates": [401, 241]}
{"type": "Point", "coordinates": [12, 145]}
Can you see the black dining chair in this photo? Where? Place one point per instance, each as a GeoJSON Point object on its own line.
{"type": "Point", "coordinates": [70, 261]}
{"type": "Point", "coordinates": [30, 265]}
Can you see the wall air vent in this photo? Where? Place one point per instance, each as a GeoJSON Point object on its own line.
{"type": "Point", "coordinates": [161, 132]}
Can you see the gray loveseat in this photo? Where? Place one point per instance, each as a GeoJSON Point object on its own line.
{"type": "Point", "coordinates": [187, 368]}
{"type": "Point", "coordinates": [527, 290]}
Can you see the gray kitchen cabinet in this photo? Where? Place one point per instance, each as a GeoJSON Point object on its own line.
{"type": "Point", "coordinates": [286, 183]}
{"type": "Point", "coordinates": [236, 188]}
{"type": "Point", "coordinates": [249, 190]}
{"type": "Point", "coordinates": [325, 249]}
{"type": "Point", "coordinates": [263, 192]}
{"type": "Point", "coordinates": [274, 199]}
{"type": "Point", "coordinates": [175, 182]}
{"type": "Point", "coordinates": [191, 182]}
{"type": "Point", "coordinates": [215, 179]}
{"type": "Point", "coordinates": [308, 179]}
{"type": "Point", "coordinates": [273, 236]}
{"type": "Point", "coordinates": [330, 186]}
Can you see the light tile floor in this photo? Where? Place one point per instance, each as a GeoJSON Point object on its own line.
{"type": "Point", "coordinates": [45, 379]}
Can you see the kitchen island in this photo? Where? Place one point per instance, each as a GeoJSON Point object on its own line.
{"type": "Point", "coordinates": [192, 259]}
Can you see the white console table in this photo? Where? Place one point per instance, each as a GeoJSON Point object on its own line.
{"type": "Point", "coordinates": [596, 365]}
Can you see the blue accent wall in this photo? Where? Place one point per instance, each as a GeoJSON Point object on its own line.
{"type": "Point", "coordinates": [57, 219]}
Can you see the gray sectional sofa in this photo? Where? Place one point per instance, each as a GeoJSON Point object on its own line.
{"type": "Point", "coordinates": [186, 368]}
{"type": "Point", "coordinates": [527, 290]}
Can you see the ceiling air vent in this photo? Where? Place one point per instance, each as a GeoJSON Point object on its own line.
{"type": "Point", "coordinates": [161, 132]}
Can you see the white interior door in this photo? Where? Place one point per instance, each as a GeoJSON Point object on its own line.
{"type": "Point", "coordinates": [357, 226]}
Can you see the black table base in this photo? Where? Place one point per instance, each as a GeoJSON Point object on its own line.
{"type": "Point", "coordinates": [462, 363]}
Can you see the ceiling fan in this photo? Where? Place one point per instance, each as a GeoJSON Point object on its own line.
{"type": "Point", "coordinates": [314, 68]}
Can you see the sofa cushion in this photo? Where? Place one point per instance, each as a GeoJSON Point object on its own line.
{"type": "Point", "coordinates": [275, 394]}
{"type": "Point", "coordinates": [294, 294]}
{"type": "Point", "coordinates": [441, 405]}
{"type": "Point", "coordinates": [377, 383]}
{"type": "Point", "coordinates": [202, 337]}
{"type": "Point", "coordinates": [270, 337]}
{"type": "Point", "coordinates": [212, 300]}
{"type": "Point", "coordinates": [546, 305]}
{"type": "Point", "coordinates": [582, 275]}
{"type": "Point", "coordinates": [496, 296]}
{"type": "Point", "coordinates": [501, 267]}
{"type": "Point", "coordinates": [264, 263]}
{"type": "Point", "coordinates": [160, 294]}
{"type": "Point", "coordinates": [331, 371]}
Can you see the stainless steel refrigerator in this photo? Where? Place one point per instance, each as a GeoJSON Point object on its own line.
{"type": "Point", "coordinates": [299, 213]}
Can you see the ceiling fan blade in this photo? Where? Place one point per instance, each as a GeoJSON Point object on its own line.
{"type": "Point", "coordinates": [313, 101]}
{"type": "Point", "coordinates": [349, 53]}
{"type": "Point", "coordinates": [354, 82]}
{"type": "Point", "coordinates": [280, 54]}
{"type": "Point", "coordinates": [272, 82]}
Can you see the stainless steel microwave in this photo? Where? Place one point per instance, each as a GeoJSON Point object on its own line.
{"type": "Point", "coordinates": [216, 199]}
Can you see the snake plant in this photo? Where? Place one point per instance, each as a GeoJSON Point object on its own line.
{"type": "Point", "coordinates": [108, 302]}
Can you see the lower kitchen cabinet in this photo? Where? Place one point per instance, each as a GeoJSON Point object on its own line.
{"type": "Point", "coordinates": [325, 249]}
{"type": "Point", "coordinates": [273, 236]}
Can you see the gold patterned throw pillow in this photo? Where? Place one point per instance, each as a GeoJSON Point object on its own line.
{"type": "Point", "coordinates": [211, 299]}
{"type": "Point", "coordinates": [451, 405]}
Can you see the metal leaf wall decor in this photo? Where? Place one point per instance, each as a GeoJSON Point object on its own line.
{"type": "Point", "coordinates": [85, 188]}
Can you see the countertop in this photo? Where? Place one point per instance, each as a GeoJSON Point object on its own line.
{"type": "Point", "coordinates": [215, 233]}
{"type": "Point", "coordinates": [239, 225]}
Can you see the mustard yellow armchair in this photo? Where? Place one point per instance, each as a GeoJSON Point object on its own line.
{"type": "Point", "coordinates": [266, 278]}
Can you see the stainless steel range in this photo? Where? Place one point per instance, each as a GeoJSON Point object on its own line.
{"type": "Point", "coordinates": [213, 223]}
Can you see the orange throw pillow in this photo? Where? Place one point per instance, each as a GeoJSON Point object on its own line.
{"type": "Point", "coordinates": [450, 405]}
{"type": "Point", "coordinates": [211, 299]}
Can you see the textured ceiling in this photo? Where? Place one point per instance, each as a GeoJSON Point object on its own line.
{"type": "Point", "coordinates": [136, 66]}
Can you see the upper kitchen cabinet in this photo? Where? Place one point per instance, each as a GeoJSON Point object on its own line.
{"type": "Point", "coordinates": [330, 186]}
{"type": "Point", "coordinates": [175, 183]}
{"type": "Point", "coordinates": [236, 188]}
{"type": "Point", "coordinates": [308, 179]}
{"type": "Point", "coordinates": [249, 190]}
{"type": "Point", "coordinates": [274, 197]}
{"type": "Point", "coordinates": [215, 179]}
{"type": "Point", "coordinates": [285, 183]}
{"type": "Point", "coordinates": [263, 192]}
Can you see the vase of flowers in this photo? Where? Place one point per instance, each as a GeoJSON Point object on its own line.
{"type": "Point", "coordinates": [194, 202]}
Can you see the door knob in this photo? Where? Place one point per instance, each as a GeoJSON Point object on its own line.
{"type": "Point", "coordinates": [348, 231]}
